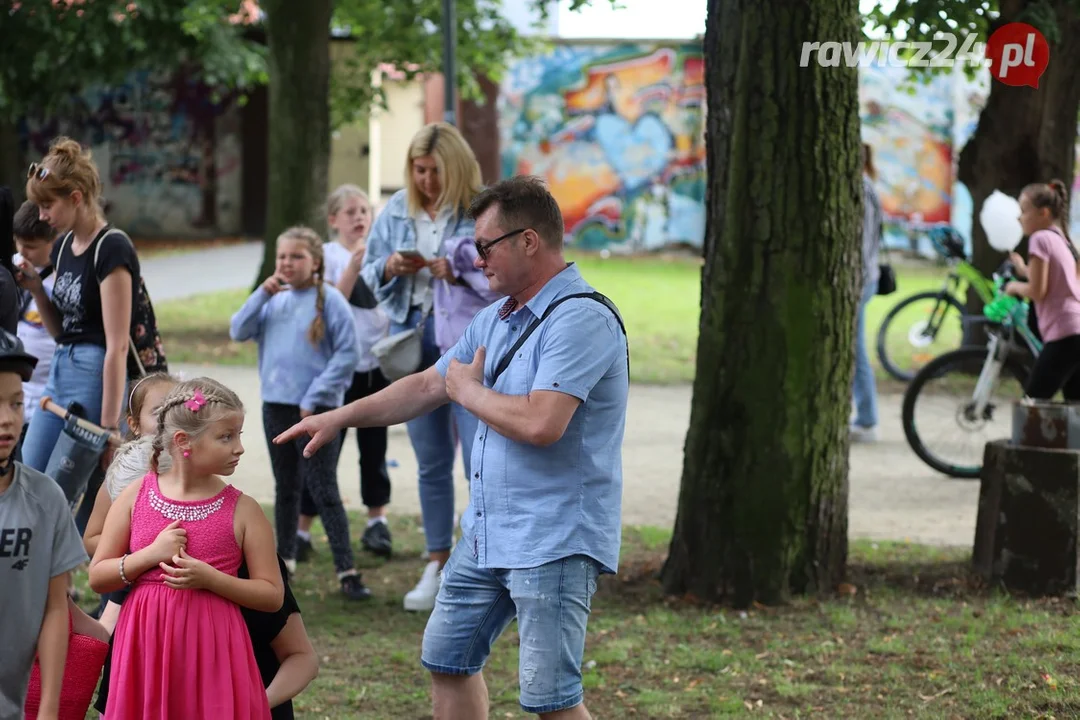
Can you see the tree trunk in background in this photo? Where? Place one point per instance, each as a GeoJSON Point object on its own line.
{"type": "Point", "coordinates": [12, 168]}
{"type": "Point", "coordinates": [762, 508]}
{"type": "Point", "coordinates": [1024, 134]}
{"type": "Point", "coordinates": [298, 35]}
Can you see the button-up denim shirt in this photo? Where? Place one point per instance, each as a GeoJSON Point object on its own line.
{"type": "Point", "coordinates": [394, 230]}
{"type": "Point", "coordinates": [531, 505]}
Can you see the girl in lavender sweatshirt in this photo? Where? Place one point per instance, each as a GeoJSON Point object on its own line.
{"type": "Point", "coordinates": [307, 353]}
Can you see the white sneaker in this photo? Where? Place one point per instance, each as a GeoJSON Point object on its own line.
{"type": "Point", "coordinates": [422, 597]}
{"type": "Point", "coordinates": [860, 434]}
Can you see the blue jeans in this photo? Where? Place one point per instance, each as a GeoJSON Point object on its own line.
{"type": "Point", "coordinates": [432, 438]}
{"type": "Point", "coordinates": [552, 605]}
{"type": "Point", "coordinates": [864, 386]}
{"type": "Point", "coordinates": [75, 376]}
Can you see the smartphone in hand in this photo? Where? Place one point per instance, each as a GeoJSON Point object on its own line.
{"type": "Point", "coordinates": [413, 256]}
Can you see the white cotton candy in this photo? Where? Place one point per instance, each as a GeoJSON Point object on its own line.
{"type": "Point", "coordinates": [1000, 220]}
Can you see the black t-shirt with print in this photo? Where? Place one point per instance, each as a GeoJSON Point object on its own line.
{"type": "Point", "coordinates": [77, 287]}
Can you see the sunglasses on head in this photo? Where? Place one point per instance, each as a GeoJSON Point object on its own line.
{"type": "Point", "coordinates": [37, 171]}
{"type": "Point", "coordinates": [482, 248]}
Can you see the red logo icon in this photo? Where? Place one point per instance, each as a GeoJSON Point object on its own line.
{"type": "Point", "coordinates": [1018, 54]}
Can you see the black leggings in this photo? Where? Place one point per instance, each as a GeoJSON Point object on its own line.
{"type": "Point", "coordinates": [1055, 369]}
{"type": "Point", "coordinates": [292, 471]}
{"type": "Point", "coordinates": [374, 480]}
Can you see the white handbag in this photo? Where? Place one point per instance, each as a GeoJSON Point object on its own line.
{"type": "Point", "coordinates": [400, 354]}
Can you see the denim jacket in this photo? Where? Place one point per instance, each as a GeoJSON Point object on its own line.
{"type": "Point", "coordinates": [394, 230]}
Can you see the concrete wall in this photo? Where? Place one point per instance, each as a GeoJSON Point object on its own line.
{"type": "Point", "coordinates": [397, 126]}
{"type": "Point", "coordinates": [170, 163]}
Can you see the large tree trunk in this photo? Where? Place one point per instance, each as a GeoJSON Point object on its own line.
{"type": "Point", "coordinates": [12, 170]}
{"type": "Point", "coordinates": [763, 505]}
{"type": "Point", "coordinates": [298, 35]}
{"type": "Point", "coordinates": [1025, 135]}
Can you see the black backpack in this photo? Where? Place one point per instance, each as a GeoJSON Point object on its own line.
{"type": "Point", "coordinates": [146, 352]}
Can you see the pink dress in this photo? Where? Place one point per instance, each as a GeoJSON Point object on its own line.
{"type": "Point", "coordinates": [180, 654]}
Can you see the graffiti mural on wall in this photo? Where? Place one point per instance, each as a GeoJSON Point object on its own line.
{"type": "Point", "coordinates": [911, 136]}
{"type": "Point", "coordinates": [918, 132]}
{"type": "Point", "coordinates": [617, 132]}
{"type": "Point", "coordinates": [170, 162]}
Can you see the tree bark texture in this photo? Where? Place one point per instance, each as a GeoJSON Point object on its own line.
{"type": "Point", "coordinates": [762, 510]}
{"type": "Point", "coordinates": [1027, 523]}
{"type": "Point", "coordinates": [1025, 135]}
{"type": "Point", "coordinates": [298, 36]}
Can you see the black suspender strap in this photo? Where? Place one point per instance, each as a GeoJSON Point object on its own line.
{"type": "Point", "coordinates": [598, 297]}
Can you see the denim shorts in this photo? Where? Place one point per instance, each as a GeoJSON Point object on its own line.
{"type": "Point", "coordinates": [551, 603]}
{"type": "Point", "coordinates": [76, 375]}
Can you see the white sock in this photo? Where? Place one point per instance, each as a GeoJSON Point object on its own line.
{"type": "Point", "coordinates": [347, 573]}
{"type": "Point", "coordinates": [304, 535]}
{"type": "Point", "coordinates": [290, 565]}
{"type": "Point", "coordinates": [374, 520]}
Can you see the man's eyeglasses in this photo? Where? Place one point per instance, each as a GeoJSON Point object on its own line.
{"type": "Point", "coordinates": [482, 248]}
{"type": "Point", "coordinates": [37, 171]}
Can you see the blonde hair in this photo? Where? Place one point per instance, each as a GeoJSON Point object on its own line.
{"type": "Point", "coordinates": [131, 461]}
{"type": "Point", "coordinates": [314, 243]}
{"type": "Point", "coordinates": [70, 168]}
{"type": "Point", "coordinates": [459, 172]}
{"type": "Point", "coordinates": [137, 398]}
{"type": "Point", "coordinates": [337, 199]}
{"type": "Point", "coordinates": [175, 416]}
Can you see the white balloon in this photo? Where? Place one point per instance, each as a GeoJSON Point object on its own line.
{"type": "Point", "coordinates": [1000, 220]}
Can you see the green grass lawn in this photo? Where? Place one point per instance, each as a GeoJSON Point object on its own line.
{"type": "Point", "coordinates": [912, 634]}
{"type": "Point", "coordinates": [659, 299]}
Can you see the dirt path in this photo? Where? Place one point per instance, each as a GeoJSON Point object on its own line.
{"type": "Point", "coordinates": [893, 495]}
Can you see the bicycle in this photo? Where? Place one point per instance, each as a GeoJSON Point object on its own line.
{"type": "Point", "coordinates": [977, 374]}
{"type": "Point", "coordinates": [908, 331]}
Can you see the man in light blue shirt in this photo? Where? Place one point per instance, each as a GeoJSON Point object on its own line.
{"type": "Point", "coordinates": [545, 497]}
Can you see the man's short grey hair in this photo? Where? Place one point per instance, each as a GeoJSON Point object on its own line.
{"type": "Point", "coordinates": [523, 202]}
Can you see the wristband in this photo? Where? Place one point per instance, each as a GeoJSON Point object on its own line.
{"type": "Point", "coordinates": [122, 575]}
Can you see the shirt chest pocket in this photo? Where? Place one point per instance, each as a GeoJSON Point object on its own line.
{"type": "Point", "coordinates": [517, 378]}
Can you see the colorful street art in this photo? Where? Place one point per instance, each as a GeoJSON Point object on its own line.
{"type": "Point", "coordinates": [911, 136]}
{"type": "Point", "coordinates": [618, 133]}
{"type": "Point", "coordinates": [170, 162]}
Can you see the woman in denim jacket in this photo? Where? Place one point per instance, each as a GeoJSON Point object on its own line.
{"type": "Point", "coordinates": [405, 256]}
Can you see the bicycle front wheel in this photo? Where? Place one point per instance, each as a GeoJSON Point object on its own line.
{"type": "Point", "coordinates": [942, 420]}
{"type": "Point", "coordinates": [917, 330]}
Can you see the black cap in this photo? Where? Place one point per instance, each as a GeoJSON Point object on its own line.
{"type": "Point", "coordinates": [13, 356]}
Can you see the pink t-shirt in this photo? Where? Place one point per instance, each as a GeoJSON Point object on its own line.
{"type": "Point", "coordinates": [1059, 311]}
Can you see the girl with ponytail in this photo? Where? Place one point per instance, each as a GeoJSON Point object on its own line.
{"type": "Point", "coordinates": [307, 352]}
{"type": "Point", "coordinates": [95, 282]}
{"type": "Point", "coordinates": [181, 648]}
{"type": "Point", "coordinates": [1053, 285]}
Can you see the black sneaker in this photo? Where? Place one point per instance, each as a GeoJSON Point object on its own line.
{"type": "Point", "coordinates": [353, 588]}
{"type": "Point", "coordinates": [304, 549]}
{"type": "Point", "coordinates": [376, 539]}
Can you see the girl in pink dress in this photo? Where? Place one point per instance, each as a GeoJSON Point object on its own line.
{"type": "Point", "coordinates": [181, 649]}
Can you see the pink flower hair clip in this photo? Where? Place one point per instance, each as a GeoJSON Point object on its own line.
{"type": "Point", "coordinates": [195, 403]}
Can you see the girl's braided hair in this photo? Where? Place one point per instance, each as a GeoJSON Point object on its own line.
{"type": "Point", "coordinates": [129, 463]}
{"type": "Point", "coordinates": [314, 243]}
{"type": "Point", "coordinates": [192, 406]}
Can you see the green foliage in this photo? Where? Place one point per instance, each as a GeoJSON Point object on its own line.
{"type": "Point", "coordinates": [50, 50]}
{"type": "Point", "coordinates": [407, 35]}
{"type": "Point", "coordinates": [926, 20]}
